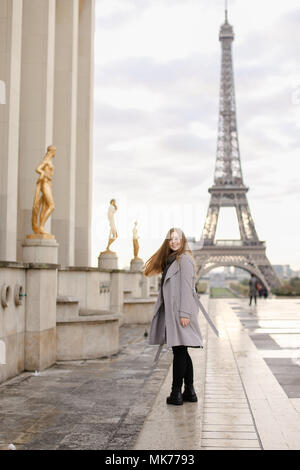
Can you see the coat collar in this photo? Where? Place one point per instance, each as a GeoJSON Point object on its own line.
{"type": "Point", "coordinates": [172, 270]}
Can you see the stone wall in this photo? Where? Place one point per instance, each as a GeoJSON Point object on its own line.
{"type": "Point", "coordinates": [87, 325]}
{"type": "Point", "coordinates": [90, 286]}
{"type": "Point", "coordinates": [12, 320]}
{"type": "Point", "coordinates": [49, 314]}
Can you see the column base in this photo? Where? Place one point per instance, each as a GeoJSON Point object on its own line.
{"type": "Point", "coordinates": [40, 349]}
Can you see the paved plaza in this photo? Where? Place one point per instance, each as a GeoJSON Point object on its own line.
{"type": "Point", "coordinates": [96, 404]}
{"type": "Point", "coordinates": [247, 380]}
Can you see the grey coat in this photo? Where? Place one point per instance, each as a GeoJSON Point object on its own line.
{"type": "Point", "coordinates": [180, 300]}
{"type": "Point", "coordinates": [252, 287]}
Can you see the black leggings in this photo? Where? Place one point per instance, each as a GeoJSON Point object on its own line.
{"type": "Point", "coordinates": [182, 367]}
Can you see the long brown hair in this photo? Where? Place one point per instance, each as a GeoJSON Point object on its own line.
{"type": "Point", "coordinates": [155, 264]}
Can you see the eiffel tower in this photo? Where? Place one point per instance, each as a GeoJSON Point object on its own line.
{"type": "Point", "coordinates": [228, 190]}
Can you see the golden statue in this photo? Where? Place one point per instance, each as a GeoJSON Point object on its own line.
{"type": "Point", "coordinates": [136, 246]}
{"type": "Point", "coordinates": [113, 234]}
{"type": "Point", "coordinates": [43, 203]}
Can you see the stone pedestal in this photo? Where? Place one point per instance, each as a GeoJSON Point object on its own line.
{"type": "Point", "coordinates": [40, 250]}
{"type": "Point", "coordinates": [108, 260]}
{"type": "Point", "coordinates": [41, 294]}
{"type": "Point", "coordinates": [136, 264]}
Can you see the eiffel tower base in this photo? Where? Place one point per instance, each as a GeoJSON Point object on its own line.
{"type": "Point", "coordinates": [250, 258]}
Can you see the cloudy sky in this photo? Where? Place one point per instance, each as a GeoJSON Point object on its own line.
{"type": "Point", "coordinates": [157, 74]}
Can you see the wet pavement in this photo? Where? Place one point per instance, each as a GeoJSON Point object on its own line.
{"type": "Point", "coordinates": [247, 394]}
{"type": "Point", "coordinates": [275, 332]}
{"type": "Point", "coordinates": [222, 418]}
{"type": "Point", "coordinates": [247, 381]}
{"type": "Point", "coordinates": [99, 404]}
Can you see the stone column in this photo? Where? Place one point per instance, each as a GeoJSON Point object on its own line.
{"type": "Point", "coordinates": [40, 317]}
{"type": "Point", "coordinates": [117, 293]}
{"type": "Point", "coordinates": [40, 310]}
{"type": "Point", "coordinates": [36, 106]}
{"type": "Point", "coordinates": [84, 153]}
{"type": "Point", "coordinates": [40, 325]}
{"type": "Point", "coordinates": [10, 65]}
{"type": "Point", "coordinates": [64, 127]}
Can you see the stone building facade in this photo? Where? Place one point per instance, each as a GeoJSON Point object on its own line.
{"type": "Point", "coordinates": [53, 305]}
{"type": "Point", "coordinates": [46, 65]}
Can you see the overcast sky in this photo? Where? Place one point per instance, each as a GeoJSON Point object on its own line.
{"type": "Point", "coordinates": [157, 78]}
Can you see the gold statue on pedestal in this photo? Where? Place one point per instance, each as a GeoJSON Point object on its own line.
{"type": "Point", "coordinates": [43, 203]}
{"type": "Point", "coordinates": [113, 234]}
{"type": "Point", "coordinates": [136, 246]}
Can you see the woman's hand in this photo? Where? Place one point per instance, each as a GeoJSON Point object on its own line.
{"type": "Point", "coordinates": [184, 321]}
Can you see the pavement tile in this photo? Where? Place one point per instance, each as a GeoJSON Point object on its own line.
{"type": "Point", "coordinates": [230, 443]}
{"type": "Point", "coordinates": [229, 448]}
{"type": "Point", "coordinates": [229, 435]}
{"type": "Point", "coordinates": [229, 410]}
{"type": "Point", "coordinates": [211, 395]}
{"type": "Point", "coordinates": [225, 400]}
{"type": "Point", "coordinates": [221, 405]}
{"type": "Point", "coordinates": [227, 418]}
{"type": "Point", "coordinates": [228, 427]}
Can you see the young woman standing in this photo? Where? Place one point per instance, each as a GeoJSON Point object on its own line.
{"type": "Point", "coordinates": [175, 314]}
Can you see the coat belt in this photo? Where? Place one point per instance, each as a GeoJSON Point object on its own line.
{"type": "Point", "coordinates": [207, 317]}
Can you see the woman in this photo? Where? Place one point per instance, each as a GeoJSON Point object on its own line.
{"type": "Point", "coordinates": [175, 315]}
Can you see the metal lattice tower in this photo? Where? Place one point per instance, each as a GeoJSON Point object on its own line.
{"type": "Point", "coordinates": [228, 166]}
{"type": "Point", "coordinates": [229, 190]}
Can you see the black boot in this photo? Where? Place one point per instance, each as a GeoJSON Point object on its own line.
{"type": "Point", "coordinates": [175, 397]}
{"type": "Point", "coordinates": [189, 393]}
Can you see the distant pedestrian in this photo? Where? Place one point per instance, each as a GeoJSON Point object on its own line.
{"type": "Point", "coordinates": [175, 313]}
{"type": "Point", "coordinates": [252, 289]}
{"type": "Point", "coordinates": [265, 293]}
